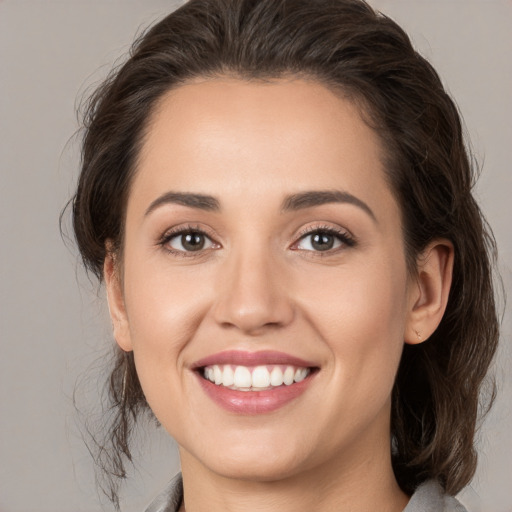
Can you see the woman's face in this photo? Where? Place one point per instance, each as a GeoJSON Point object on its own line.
{"type": "Point", "coordinates": [264, 252]}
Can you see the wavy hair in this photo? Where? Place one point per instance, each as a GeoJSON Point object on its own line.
{"type": "Point", "coordinates": [349, 47]}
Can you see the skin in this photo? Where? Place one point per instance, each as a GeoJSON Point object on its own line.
{"type": "Point", "coordinates": [260, 285]}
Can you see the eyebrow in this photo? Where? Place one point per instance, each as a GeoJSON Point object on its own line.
{"type": "Point", "coordinates": [313, 198]}
{"type": "Point", "coordinates": [295, 202]}
{"type": "Point", "coordinates": [199, 201]}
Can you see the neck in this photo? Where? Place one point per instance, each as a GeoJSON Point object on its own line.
{"type": "Point", "coordinates": [341, 484]}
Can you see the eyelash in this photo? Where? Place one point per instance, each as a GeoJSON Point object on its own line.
{"type": "Point", "coordinates": [180, 231]}
{"type": "Point", "coordinates": [344, 237]}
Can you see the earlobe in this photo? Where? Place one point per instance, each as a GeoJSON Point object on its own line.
{"type": "Point", "coordinates": [116, 303]}
{"type": "Point", "coordinates": [430, 291]}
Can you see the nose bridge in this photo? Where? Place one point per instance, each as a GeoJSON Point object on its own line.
{"type": "Point", "coordinates": [252, 293]}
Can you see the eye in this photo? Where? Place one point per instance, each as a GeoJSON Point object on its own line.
{"type": "Point", "coordinates": [323, 240]}
{"type": "Point", "coordinates": [188, 241]}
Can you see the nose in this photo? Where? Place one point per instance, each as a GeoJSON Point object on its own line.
{"type": "Point", "coordinates": [253, 296]}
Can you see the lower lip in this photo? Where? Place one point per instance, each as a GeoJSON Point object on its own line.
{"type": "Point", "coordinates": [254, 402]}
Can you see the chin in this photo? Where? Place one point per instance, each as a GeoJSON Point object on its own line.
{"type": "Point", "coordinates": [256, 469]}
{"type": "Point", "coordinates": [258, 460]}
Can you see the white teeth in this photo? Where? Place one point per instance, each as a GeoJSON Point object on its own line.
{"type": "Point", "coordinates": [276, 377]}
{"type": "Point", "coordinates": [242, 377]}
{"type": "Point", "coordinates": [217, 375]}
{"type": "Point", "coordinates": [228, 376]}
{"type": "Point", "coordinates": [300, 374]}
{"type": "Point", "coordinates": [289, 375]}
{"type": "Point", "coordinates": [260, 377]}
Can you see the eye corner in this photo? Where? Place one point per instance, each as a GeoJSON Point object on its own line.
{"type": "Point", "coordinates": [327, 240]}
{"type": "Point", "coordinates": [188, 241]}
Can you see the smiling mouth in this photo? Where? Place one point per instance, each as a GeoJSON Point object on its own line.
{"type": "Point", "coordinates": [254, 378]}
{"type": "Point", "coordinates": [252, 383]}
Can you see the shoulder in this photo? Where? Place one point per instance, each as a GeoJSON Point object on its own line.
{"type": "Point", "coordinates": [169, 500]}
{"type": "Point", "coordinates": [429, 497]}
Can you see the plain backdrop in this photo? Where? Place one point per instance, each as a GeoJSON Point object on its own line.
{"type": "Point", "coordinates": [53, 320]}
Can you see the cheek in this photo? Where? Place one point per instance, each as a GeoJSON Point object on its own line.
{"type": "Point", "coordinates": [357, 299]}
{"type": "Point", "coordinates": [360, 315]}
{"type": "Point", "coordinates": [164, 312]}
{"type": "Point", "coordinates": [163, 307]}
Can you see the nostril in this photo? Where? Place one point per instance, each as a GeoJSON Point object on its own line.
{"type": "Point", "coordinates": [254, 320]}
{"type": "Point", "coordinates": [251, 296]}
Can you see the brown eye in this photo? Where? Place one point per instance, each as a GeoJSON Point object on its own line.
{"type": "Point", "coordinates": [190, 241]}
{"type": "Point", "coordinates": [322, 240]}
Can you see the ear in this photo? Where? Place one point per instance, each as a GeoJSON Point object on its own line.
{"type": "Point", "coordinates": [116, 303]}
{"type": "Point", "coordinates": [429, 291]}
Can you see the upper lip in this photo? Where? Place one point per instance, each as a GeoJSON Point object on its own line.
{"type": "Point", "coordinates": [244, 358]}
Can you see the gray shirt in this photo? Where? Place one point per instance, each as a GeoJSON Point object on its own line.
{"type": "Point", "coordinates": [429, 497]}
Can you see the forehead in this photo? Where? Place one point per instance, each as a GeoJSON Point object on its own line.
{"type": "Point", "coordinates": [286, 135]}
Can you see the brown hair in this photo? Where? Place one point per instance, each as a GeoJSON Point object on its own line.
{"type": "Point", "coordinates": [347, 46]}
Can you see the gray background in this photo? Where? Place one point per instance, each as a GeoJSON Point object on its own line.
{"type": "Point", "coordinates": [53, 322]}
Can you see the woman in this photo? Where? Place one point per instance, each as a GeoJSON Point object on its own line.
{"type": "Point", "coordinates": [278, 197]}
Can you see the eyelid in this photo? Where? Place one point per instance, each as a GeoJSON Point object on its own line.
{"type": "Point", "coordinates": [344, 236]}
{"type": "Point", "coordinates": [176, 231]}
